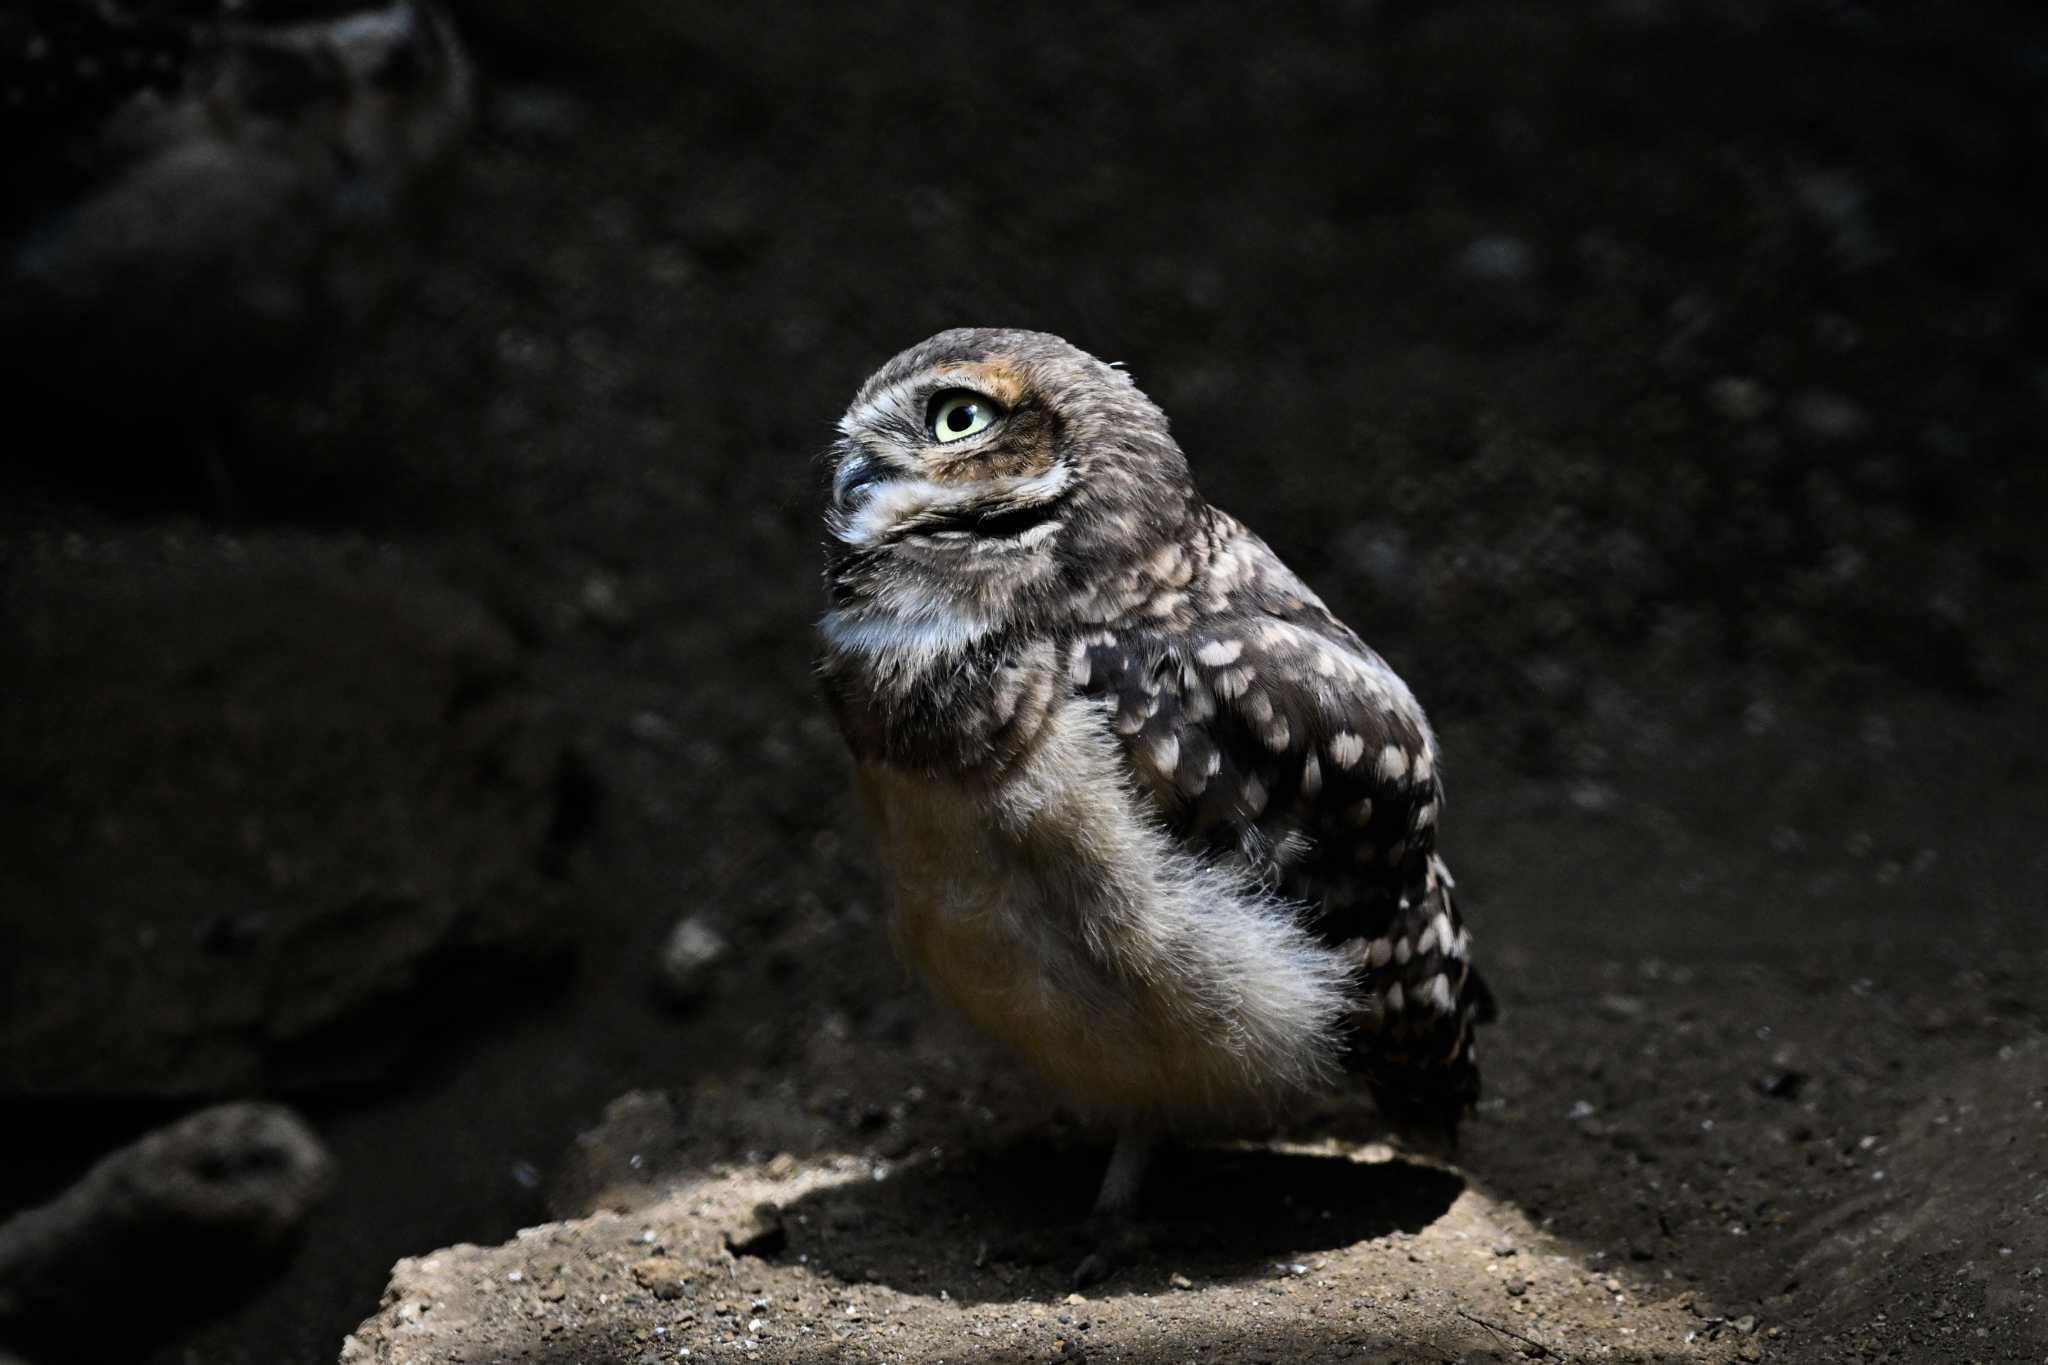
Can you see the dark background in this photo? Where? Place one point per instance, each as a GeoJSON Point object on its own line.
{"type": "Point", "coordinates": [1659, 386]}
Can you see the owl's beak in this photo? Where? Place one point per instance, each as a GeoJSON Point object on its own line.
{"type": "Point", "coordinates": [857, 473]}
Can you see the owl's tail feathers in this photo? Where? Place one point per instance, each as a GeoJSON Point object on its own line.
{"type": "Point", "coordinates": [1426, 1086]}
{"type": "Point", "coordinates": [1478, 999]}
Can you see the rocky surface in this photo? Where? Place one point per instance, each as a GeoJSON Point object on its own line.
{"type": "Point", "coordinates": [667, 1280]}
{"type": "Point", "coordinates": [200, 189]}
{"type": "Point", "coordinates": [183, 1220]}
{"type": "Point", "coordinates": [267, 801]}
{"type": "Point", "coordinates": [620, 1162]}
{"type": "Point", "coordinates": [1788, 1126]}
{"type": "Point", "coordinates": [1697, 1224]}
{"type": "Point", "coordinates": [1949, 1245]}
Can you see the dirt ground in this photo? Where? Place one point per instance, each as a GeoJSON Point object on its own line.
{"type": "Point", "coordinates": [1796, 1127]}
{"type": "Point", "coordinates": [1659, 387]}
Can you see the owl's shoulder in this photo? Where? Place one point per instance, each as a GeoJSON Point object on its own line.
{"type": "Point", "coordinates": [1252, 658]}
{"type": "Point", "coordinates": [1264, 730]}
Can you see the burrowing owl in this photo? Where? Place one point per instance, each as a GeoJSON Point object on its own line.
{"type": "Point", "coordinates": [1148, 813]}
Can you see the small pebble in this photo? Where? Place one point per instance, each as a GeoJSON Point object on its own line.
{"type": "Point", "coordinates": [690, 960]}
{"type": "Point", "coordinates": [661, 1276]}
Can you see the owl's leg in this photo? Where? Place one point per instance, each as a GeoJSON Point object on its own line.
{"type": "Point", "coordinates": [1118, 1197]}
{"type": "Point", "coordinates": [1119, 1235]}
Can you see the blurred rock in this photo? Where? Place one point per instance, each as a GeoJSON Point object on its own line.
{"type": "Point", "coordinates": [194, 191]}
{"type": "Point", "coordinates": [1839, 205]}
{"type": "Point", "coordinates": [689, 961]}
{"type": "Point", "coordinates": [623, 1162]}
{"type": "Point", "coordinates": [1739, 399]}
{"type": "Point", "coordinates": [603, 602]}
{"type": "Point", "coordinates": [536, 113]}
{"type": "Point", "coordinates": [1379, 552]}
{"type": "Point", "coordinates": [1496, 294]}
{"type": "Point", "coordinates": [195, 1209]}
{"type": "Point", "coordinates": [724, 231]}
{"type": "Point", "coordinates": [687, 46]}
{"type": "Point", "coordinates": [1829, 418]}
{"type": "Point", "coordinates": [267, 808]}
{"type": "Point", "coordinates": [1498, 259]}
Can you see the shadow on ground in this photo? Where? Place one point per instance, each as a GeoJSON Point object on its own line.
{"type": "Point", "coordinates": [996, 1225]}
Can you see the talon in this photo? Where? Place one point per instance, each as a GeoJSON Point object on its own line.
{"type": "Point", "coordinates": [1119, 1243]}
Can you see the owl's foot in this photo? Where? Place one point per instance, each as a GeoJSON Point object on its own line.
{"type": "Point", "coordinates": [1119, 1237]}
{"type": "Point", "coordinates": [1119, 1242]}
{"type": "Point", "coordinates": [1112, 1243]}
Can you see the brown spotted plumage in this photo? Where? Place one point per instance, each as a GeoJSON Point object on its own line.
{"type": "Point", "coordinates": [1150, 815]}
{"type": "Point", "coordinates": [1270, 736]}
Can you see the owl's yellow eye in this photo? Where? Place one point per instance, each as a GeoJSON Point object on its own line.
{"type": "Point", "coordinates": [959, 414]}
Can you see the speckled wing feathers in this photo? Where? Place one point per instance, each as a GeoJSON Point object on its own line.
{"type": "Point", "coordinates": [1269, 734]}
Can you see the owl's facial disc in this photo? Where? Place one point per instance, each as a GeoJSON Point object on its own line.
{"type": "Point", "coordinates": [952, 417]}
{"type": "Point", "coordinates": [940, 468]}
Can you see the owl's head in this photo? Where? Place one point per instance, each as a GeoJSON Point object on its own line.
{"type": "Point", "coordinates": [987, 477]}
